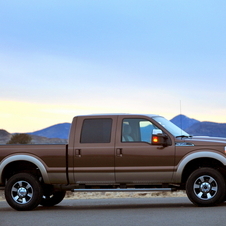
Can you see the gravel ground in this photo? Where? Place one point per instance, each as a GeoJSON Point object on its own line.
{"type": "Point", "coordinates": [108, 195]}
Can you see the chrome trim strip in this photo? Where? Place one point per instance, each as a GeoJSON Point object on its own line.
{"type": "Point", "coordinates": [183, 144]}
{"type": "Point", "coordinates": [122, 190]}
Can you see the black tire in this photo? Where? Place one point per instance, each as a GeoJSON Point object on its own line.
{"type": "Point", "coordinates": [23, 192]}
{"type": "Point", "coordinates": [206, 187]}
{"type": "Point", "coordinates": [52, 198]}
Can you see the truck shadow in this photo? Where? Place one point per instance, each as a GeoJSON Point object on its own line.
{"type": "Point", "coordinates": [118, 204]}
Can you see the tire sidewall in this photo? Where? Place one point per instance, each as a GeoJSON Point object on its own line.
{"type": "Point", "coordinates": [36, 196]}
{"type": "Point", "coordinates": [219, 196]}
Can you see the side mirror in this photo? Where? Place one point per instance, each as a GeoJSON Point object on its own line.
{"type": "Point", "coordinates": [159, 139]}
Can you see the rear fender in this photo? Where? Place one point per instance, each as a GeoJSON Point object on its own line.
{"type": "Point", "coordinates": [40, 165]}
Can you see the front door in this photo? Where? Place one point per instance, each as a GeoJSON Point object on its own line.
{"type": "Point", "coordinates": [136, 159]}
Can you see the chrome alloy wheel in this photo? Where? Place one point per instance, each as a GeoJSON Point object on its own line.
{"type": "Point", "coordinates": [205, 187]}
{"type": "Point", "coordinates": [22, 192]}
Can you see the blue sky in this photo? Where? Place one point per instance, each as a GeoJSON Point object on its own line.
{"type": "Point", "coordinates": [59, 59]}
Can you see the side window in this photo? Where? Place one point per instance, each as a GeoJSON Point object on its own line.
{"type": "Point", "coordinates": [96, 131]}
{"type": "Point", "coordinates": [146, 130]}
{"type": "Point", "coordinates": [138, 130]}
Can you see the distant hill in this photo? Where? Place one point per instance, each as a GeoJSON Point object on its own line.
{"type": "Point", "coordinates": [183, 121]}
{"type": "Point", "coordinates": [211, 129]}
{"type": "Point", "coordinates": [197, 128]}
{"type": "Point", "coordinates": [56, 131]}
{"type": "Point", "coordinates": [4, 136]}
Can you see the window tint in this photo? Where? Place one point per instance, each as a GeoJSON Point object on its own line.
{"type": "Point", "coordinates": [138, 130]}
{"type": "Point", "coordinates": [96, 131]}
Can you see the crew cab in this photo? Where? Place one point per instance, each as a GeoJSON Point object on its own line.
{"type": "Point", "coordinates": [115, 152]}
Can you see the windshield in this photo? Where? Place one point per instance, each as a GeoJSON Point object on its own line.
{"type": "Point", "coordinates": [172, 128]}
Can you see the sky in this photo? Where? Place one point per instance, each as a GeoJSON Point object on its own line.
{"type": "Point", "coordinates": [59, 59]}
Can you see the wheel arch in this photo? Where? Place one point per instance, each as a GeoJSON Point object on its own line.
{"type": "Point", "coordinates": [200, 163]}
{"type": "Point", "coordinates": [22, 163]}
{"type": "Point", "coordinates": [196, 160]}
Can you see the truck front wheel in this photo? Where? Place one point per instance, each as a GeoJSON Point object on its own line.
{"type": "Point", "coordinates": [206, 187]}
{"type": "Point", "coordinates": [23, 192]}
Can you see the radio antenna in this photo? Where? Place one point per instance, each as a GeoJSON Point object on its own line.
{"type": "Point", "coordinates": [180, 118]}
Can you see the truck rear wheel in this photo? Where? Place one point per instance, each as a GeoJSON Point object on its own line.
{"type": "Point", "coordinates": [53, 198]}
{"type": "Point", "coordinates": [23, 192]}
{"type": "Point", "coordinates": [206, 187]}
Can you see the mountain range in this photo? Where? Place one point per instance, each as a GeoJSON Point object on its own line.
{"type": "Point", "coordinates": [56, 131]}
{"type": "Point", "coordinates": [59, 133]}
{"type": "Point", "coordinates": [197, 128]}
{"type": "Point", "coordinates": [6, 136]}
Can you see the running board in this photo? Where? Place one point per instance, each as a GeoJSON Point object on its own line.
{"type": "Point", "coordinates": [123, 190]}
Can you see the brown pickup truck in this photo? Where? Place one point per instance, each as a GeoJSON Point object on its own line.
{"type": "Point", "coordinates": [120, 152]}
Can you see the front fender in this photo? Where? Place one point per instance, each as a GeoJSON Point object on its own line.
{"type": "Point", "coordinates": [202, 154]}
{"type": "Point", "coordinates": [22, 157]}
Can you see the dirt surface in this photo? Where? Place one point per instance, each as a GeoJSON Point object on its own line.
{"type": "Point", "coordinates": [2, 195]}
{"type": "Point", "coordinates": [108, 195]}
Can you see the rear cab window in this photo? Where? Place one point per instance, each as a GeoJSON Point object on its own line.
{"type": "Point", "coordinates": [96, 130]}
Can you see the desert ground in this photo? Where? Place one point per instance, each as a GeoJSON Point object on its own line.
{"type": "Point", "coordinates": [108, 195]}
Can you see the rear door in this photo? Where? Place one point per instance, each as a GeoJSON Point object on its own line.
{"type": "Point", "coordinates": [137, 160]}
{"type": "Point", "coordinates": [94, 150]}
